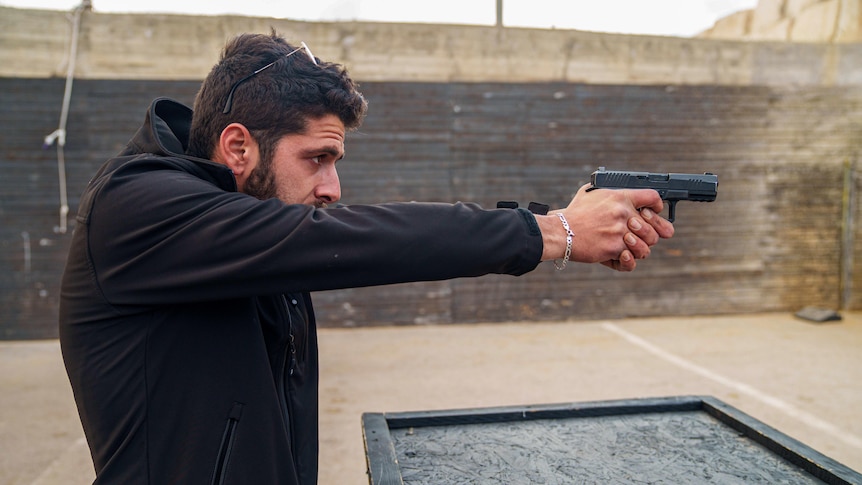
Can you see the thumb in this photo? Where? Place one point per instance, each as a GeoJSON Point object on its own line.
{"type": "Point", "coordinates": [641, 198]}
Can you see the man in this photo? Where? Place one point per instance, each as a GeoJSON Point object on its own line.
{"type": "Point", "coordinates": [186, 323]}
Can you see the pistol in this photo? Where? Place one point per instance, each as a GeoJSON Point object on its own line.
{"type": "Point", "coordinates": [672, 187]}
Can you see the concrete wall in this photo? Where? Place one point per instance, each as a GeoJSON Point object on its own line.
{"type": "Point", "coordinates": [34, 44]}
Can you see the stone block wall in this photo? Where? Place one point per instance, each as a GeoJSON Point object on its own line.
{"type": "Point", "coordinates": [838, 21]}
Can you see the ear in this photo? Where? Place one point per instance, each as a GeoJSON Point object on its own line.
{"type": "Point", "coordinates": [238, 151]}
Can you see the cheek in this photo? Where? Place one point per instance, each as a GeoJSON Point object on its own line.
{"type": "Point", "coordinates": [294, 185]}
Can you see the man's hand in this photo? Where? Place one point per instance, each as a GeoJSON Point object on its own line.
{"type": "Point", "coordinates": [612, 227]}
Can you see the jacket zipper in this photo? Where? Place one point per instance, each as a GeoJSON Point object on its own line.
{"type": "Point", "coordinates": [288, 367]}
{"type": "Point", "coordinates": [227, 441]}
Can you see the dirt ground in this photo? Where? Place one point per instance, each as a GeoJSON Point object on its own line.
{"type": "Point", "coordinates": [802, 378]}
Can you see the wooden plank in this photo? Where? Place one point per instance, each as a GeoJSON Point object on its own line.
{"type": "Point", "coordinates": [772, 241]}
{"type": "Point", "coordinates": [379, 451]}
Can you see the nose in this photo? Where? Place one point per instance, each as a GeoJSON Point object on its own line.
{"type": "Point", "coordinates": [329, 188]}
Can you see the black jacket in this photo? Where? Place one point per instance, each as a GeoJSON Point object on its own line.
{"type": "Point", "coordinates": [185, 322]}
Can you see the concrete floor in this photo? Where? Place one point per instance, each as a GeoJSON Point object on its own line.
{"type": "Point", "coordinates": [802, 378]}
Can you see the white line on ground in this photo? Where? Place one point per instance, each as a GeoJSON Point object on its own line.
{"type": "Point", "coordinates": [807, 418]}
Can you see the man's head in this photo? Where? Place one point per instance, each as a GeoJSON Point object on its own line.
{"type": "Point", "coordinates": [272, 111]}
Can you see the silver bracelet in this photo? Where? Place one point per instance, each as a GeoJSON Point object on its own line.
{"type": "Point", "coordinates": [569, 236]}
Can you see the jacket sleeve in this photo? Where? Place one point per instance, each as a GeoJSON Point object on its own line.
{"type": "Point", "coordinates": [170, 237]}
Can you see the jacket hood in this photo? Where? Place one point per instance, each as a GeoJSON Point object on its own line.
{"type": "Point", "coordinates": [165, 130]}
{"type": "Point", "coordinates": [165, 133]}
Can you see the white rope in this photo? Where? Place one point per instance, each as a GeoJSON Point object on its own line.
{"type": "Point", "coordinates": [59, 135]}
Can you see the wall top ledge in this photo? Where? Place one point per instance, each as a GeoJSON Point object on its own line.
{"type": "Point", "coordinates": [35, 44]}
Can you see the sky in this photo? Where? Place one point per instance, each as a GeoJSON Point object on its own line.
{"type": "Point", "coordinates": [651, 17]}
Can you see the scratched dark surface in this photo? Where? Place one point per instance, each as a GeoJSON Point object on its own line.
{"type": "Point", "coordinates": [672, 448]}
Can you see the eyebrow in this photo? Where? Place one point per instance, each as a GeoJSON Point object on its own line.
{"type": "Point", "coordinates": [329, 150]}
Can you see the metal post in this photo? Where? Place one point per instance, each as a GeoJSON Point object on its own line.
{"type": "Point", "coordinates": [847, 233]}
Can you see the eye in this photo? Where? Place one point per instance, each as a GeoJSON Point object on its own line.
{"type": "Point", "coordinates": [316, 159]}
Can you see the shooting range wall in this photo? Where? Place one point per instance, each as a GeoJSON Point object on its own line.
{"type": "Point", "coordinates": [484, 114]}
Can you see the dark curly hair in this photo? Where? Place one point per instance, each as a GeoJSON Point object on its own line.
{"type": "Point", "coordinates": [276, 102]}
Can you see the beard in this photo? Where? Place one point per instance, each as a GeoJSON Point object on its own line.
{"type": "Point", "coordinates": [261, 183]}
